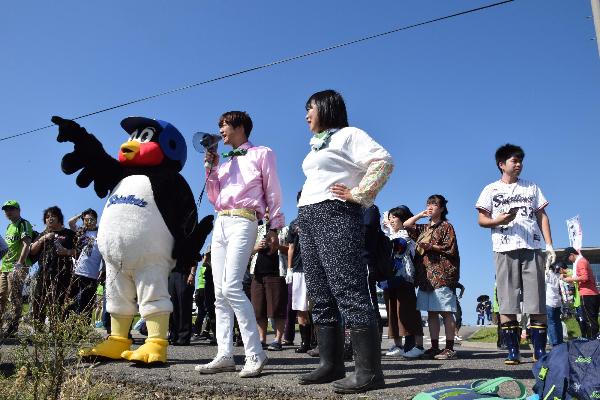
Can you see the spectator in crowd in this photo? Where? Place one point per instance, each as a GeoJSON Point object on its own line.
{"type": "Point", "coordinates": [289, 328]}
{"type": "Point", "coordinates": [488, 310]}
{"type": "Point", "coordinates": [496, 309]}
{"type": "Point", "coordinates": [56, 249]}
{"type": "Point", "coordinates": [458, 313]}
{"type": "Point", "coordinates": [89, 261]}
{"type": "Point", "coordinates": [515, 210]}
{"type": "Point", "coordinates": [295, 277]}
{"type": "Point", "coordinates": [554, 304]}
{"type": "Point", "coordinates": [199, 298]}
{"type": "Point", "coordinates": [15, 265]}
{"type": "Point", "coordinates": [181, 290]}
{"type": "Point", "coordinates": [371, 228]}
{"type": "Point", "coordinates": [345, 169]}
{"type": "Point", "coordinates": [3, 247]}
{"type": "Point", "coordinates": [404, 320]}
{"type": "Point", "coordinates": [268, 288]}
{"type": "Point", "coordinates": [241, 189]}
{"type": "Point", "coordinates": [210, 322]}
{"type": "Point", "coordinates": [588, 291]}
{"type": "Point", "coordinates": [480, 309]}
{"type": "Point", "coordinates": [438, 270]}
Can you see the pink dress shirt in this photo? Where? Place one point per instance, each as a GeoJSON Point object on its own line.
{"type": "Point", "coordinates": [248, 181]}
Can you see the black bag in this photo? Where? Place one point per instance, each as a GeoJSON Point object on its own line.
{"type": "Point", "coordinates": [384, 261]}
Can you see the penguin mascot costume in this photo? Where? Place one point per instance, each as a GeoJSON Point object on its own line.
{"type": "Point", "coordinates": [148, 224]}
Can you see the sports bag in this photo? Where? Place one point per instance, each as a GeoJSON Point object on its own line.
{"type": "Point", "coordinates": [570, 371]}
{"type": "Point", "coordinates": [479, 389]}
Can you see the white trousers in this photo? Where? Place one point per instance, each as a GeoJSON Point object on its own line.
{"type": "Point", "coordinates": [233, 239]}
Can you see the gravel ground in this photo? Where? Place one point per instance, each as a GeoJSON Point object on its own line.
{"type": "Point", "coordinates": [404, 379]}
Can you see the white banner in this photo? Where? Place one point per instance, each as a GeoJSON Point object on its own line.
{"type": "Point", "coordinates": [575, 232]}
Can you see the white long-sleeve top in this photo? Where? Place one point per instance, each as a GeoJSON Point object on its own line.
{"type": "Point", "coordinates": [351, 158]}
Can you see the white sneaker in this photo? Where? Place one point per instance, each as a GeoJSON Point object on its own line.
{"type": "Point", "coordinates": [415, 352]}
{"type": "Point", "coordinates": [457, 338]}
{"type": "Point", "coordinates": [254, 365]}
{"type": "Point", "coordinates": [219, 364]}
{"type": "Point", "coordinates": [395, 352]}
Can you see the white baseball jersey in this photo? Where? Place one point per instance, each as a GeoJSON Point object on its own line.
{"type": "Point", "coordinates": [523, 232]}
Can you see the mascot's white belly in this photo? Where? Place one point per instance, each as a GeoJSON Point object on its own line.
{"type": "Point", "coordinates": [132, 231]}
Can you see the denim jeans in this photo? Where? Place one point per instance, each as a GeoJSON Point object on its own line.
{"type": "Point", "coordinates": [555, 330]}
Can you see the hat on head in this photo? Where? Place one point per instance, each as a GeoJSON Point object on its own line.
{"type": "Point", "coordinates": [11, 204]}
{"type": "Point", "coordinates": [568, 251]}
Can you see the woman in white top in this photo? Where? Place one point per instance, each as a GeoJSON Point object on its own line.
{"type": "Point", "coordinates": [344, 169]}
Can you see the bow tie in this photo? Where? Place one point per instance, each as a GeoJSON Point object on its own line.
{"type": "Point", "coordinates": [235, 152]}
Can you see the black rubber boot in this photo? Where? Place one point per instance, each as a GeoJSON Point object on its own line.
{"type": "Point", "coordinates": [305, 331]}
{"type": "Point", "coordinates": [510, 337]}
{"type": "Point", "coordinates": [331, 353]}
{"type": "Point", "coordinates": [539, 337]}
{"type": "Point", "coordinates": [367, 362]}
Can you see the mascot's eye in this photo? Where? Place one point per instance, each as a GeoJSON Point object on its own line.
{"type": "Point", "coordinates": [146, 135]}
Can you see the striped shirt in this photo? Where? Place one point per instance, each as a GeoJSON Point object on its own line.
{"type": "Point", "coordinates": [523, 232]}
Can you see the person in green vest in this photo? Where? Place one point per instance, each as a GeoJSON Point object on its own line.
{"type": "Point", "coordinates": [15, 264]}
{"type": "Point", "coordinates": [199, 300]}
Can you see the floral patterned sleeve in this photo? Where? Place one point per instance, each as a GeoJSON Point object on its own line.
{"type": "Point", "coordinates": [376, 176]}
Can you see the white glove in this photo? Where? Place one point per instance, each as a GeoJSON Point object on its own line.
{"type": "Point", "coordinates": [288, 276]}
{"type": "Point", "coordinates": [550, 255]}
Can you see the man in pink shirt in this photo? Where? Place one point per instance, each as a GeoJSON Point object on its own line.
{"type": "Point", "coordinates": [241, 189]}
{"type": "Point", "coordinates": [590, 297]}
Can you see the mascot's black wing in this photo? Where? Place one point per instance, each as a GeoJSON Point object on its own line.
{"type": "Point", "coordinates": [176, 203]}
{"type": "Point", "coordinates": [89, 157]}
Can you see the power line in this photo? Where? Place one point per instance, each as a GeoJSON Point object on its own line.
{"type": "Point", "coordinates": [272, 64]}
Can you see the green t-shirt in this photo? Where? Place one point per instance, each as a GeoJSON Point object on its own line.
{"type": "Point", "coordinates": [200, 277]}
{"type": "Point", "coordinates": [15, 233]}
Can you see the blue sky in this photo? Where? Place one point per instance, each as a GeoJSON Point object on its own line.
{"type": "Point", "coordinates": [441, 98]}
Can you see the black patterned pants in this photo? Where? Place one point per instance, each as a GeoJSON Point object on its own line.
{"type": "Point", "coordinates": [331, 244]}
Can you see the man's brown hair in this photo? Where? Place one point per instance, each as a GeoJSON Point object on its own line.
{"type": "Point", "coordinates": [236, 119]}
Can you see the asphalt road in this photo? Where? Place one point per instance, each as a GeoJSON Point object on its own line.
{"type": "Point", "coordinates": [404, 379]}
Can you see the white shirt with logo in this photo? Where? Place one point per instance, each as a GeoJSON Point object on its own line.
{"type": "Point", "coordinates": [523, 232]}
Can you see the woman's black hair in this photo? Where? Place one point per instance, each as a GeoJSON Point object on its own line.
{"type": "Point", "coordinates": [331, 109]}
{"type": "Point", "coordinates": [91, 212]}
{"type": "Point", "coordinates": [401, 212]}
{"type": "Point", "coordinates": [507, 151]}
{"type": "Point", "coordinates": [54, 210]}
{"type": "Point", "coordinates": [441, 201]}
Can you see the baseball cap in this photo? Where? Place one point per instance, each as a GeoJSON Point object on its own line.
{"type": "Point", "coordinates": [11, 204]}
{"type": "Point", "coordinates": [568, 251]}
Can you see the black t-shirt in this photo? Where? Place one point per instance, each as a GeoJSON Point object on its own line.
{"type": "Point", "coordinates": [50, 261]}
{"type": "Point", "coordinates": [293, 238]}
{"type": "Point", "coordinates": [266, 264]}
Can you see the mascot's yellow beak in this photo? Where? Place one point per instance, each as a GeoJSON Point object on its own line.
{"type": "Point", "coordinates": [130, 149]}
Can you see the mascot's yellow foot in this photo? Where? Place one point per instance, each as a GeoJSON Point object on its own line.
{"type": "Point", "coordinates": [111, 348]}
{"type": "Point", "coordinates": [152, 351]}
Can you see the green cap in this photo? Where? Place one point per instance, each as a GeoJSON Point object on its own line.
{"type": "Point", "coordinates": [11, 203]}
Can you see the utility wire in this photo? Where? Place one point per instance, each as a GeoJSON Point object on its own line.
{"type": "Point", "coordinates": [271, 64]}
